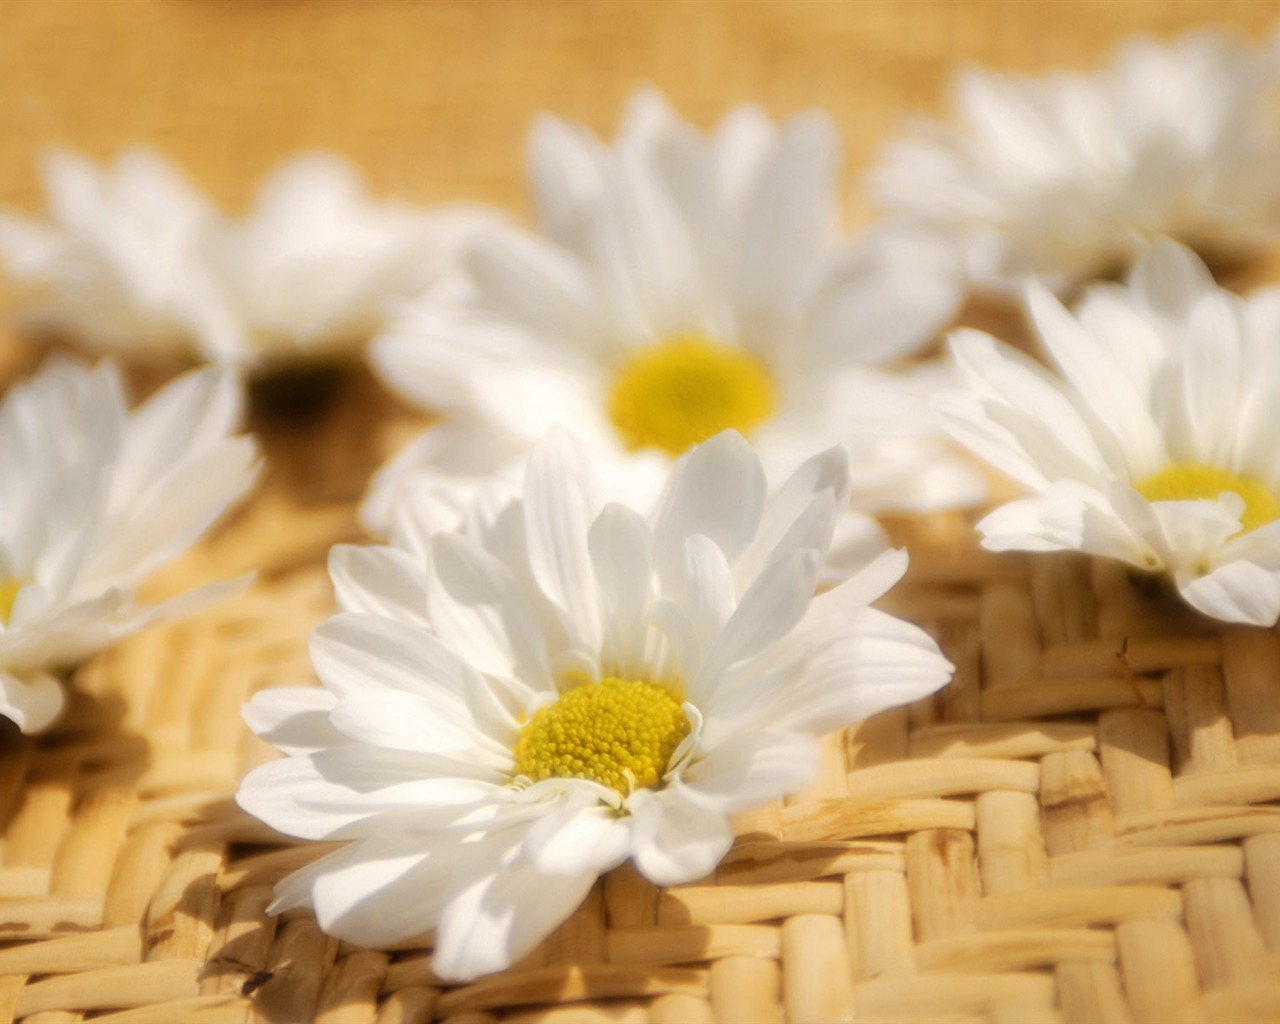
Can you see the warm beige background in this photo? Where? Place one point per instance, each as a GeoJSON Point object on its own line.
{"type": "Point", "coordinates": [433, 99]}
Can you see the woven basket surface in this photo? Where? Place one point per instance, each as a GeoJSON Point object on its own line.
{"type": "Point", "coordinates": [1085, 826]}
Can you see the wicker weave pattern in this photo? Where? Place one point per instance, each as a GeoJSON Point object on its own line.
{"type": "Point", "coordinates": [1066, 833]}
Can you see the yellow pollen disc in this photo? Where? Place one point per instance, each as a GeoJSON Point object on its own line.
{"type": "Point", "coordinates": [8, 595]}
{"type": "Point", "coordinates": [618, 732]}
{"type": "Point", "coordinates": [683, 390]}
{"type": "Point", "coordinates": [1188, 481]}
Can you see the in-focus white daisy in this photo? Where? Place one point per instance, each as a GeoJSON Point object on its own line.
{"type": "Point", "coordinates": [1069, 176]}
{"type": "Point", "coordinates": [135, 260]}
{"type": "Point", "coordinates": [566, 685]}
{"type": "Point", "coordinates": [96, 498]}
{"type": "Point", "coordinates": [681, 285]}
{"type": "Point", "coordinates": [1158, 445]}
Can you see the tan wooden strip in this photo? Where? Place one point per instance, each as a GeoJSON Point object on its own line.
{"type": "Point", "coordinates": [242, 944]}
{"type": "Point", "coordinates": [614, 1012]}
{"type": "Point", "coordinates": [1249, 659]}
{"type": "Point", "coordinates": [916, 779]}
{"type": "Point", "coordinates": [849, 819]}
{"type": "Point", "coordinates": [746, 989]}
{"type": "Point", "coordinates": [1134, 748]}
{"type": "Point", "coordinates": [31, 837]}
{"type": "Point", "coordinates": [1011, 852]}
{"type": "Point", "coordinates": [960, 701]}
{"type": "Point", "coordinates": [409, 1006]}
{"type": "Point", "coordinates": [1253, 1004]}
{"type": "Point", "coordinates": [1003, 740]}
{"type": "Point", "coordinates": [571, 984]}
{"type": "Point", "coordinates": [943, 881]}
{"type": "Point", "coordinates": [1262, 870]}
{"type": "Point", "coordinates": [1245, 785]}
{"type": "Point", "coordinates": [220, 1009]}
{"type": "Point", "coordinates": [831, 780]}
{"type": "Point", "coordinates": [1186, 826]}
{"type": "Point", "coordinates": [1158, 969]}
{"type": "Point", "coordinates": [80, 866]}
{"type": "Point", "coordinates": [1091, 993]}
{"type": "Point", "coordinates": [878, 923]}
{"type": "Point", "coordinates": [69, 954]}
{"type": "Point", "coordinates": [630, 899]}
{"type": "Point", "coordinates": [817, 983]}
{"type": "Point", "coordinates": [49, 917]}
{"type": "Point", "coordinates": [23, 882]}
{"type": "Point", "coordinates": [1018, 703]}
{"type": "Point", "coordinates": [178, 770]}
{"type": "Point", "coordinates": [681, 1009]}
{"type": "Point", "coordinates": [1076, 907]}
{"type": "Point", "coordinates": [269, 868]}
{"type": "Point", "coordinates": [1121, 865]}
{"type": "Point", "coordinates": [350, 992]}
{"type": "Point", "coordinates": [881, 739]}
{"type": "Point", "coordinates": [1196, 705]}
{"type": "Point", "coordinates": [1014, 949]}
{"type": "Point", "coordinates": [675, 945]}
{"type": "Point", "coordinates": [756, 863]}
{"type": "Point", "coordinates": [180, 920]}
{"type": "Point", "coordinates": [143, 858]}
{"type": "Point", "coordinates": [1144, 654]}
{"type": "Point", "coordinates": [413, 970]}
{"type": "Point", "coordinates": [1224, 938]}
{"type": "Point", "coordinates": [930, 994]}
{"type": "Point", "coordinates": [1065, 608]}
{"type": "Point", "coordinates": [301, 956]}
{"type": "Point", "coordinates": [744, 904]}
{"type": "Point", "coordinates": [113, 987]}
{"type": "Point", "coordinates": [1075, 812]}
{"type": "Point", "coordinates": [1010, 634]}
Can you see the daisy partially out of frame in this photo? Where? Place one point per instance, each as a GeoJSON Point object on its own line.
{"type": "Point", "coordinates": [134, 260]}
{"type": "Point", "coordinates": [511, 710]}
{"type": "Point", "coordinates": [1156, 446]}
{"type": "Point", "coordinates": [1069, 176]}
{"type": "Point", "coordinates": [681, 285]}
{"type": "Point", "coordinates": [97, 498]}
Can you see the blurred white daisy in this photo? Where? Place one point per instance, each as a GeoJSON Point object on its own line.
{"type": "Point", "coordinates": [682, 285]}
{"type": "Point", "coordinates": [118, 266]}
{"type": "Point", "coordinates": [135, 260]}
{"type": "Point", "coordinates": [1158, 445]}
{"type": "Point", "coordinates": [564, 686]}
{"type": "Point", "coordinates": [97, 498]}
{"type": "Point", "coordinates": [1069, 176]}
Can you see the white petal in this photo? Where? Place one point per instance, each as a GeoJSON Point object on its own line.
{"type": "Point", "coordinates": [294, 720]}
{"type": "Point", "coordinates": [1235, 592]}
{"type": "Point", "coordinates": [677, 840]}
{"type": "Point", "coordinates": [379, 581]}
{"type": "Point", "coordinates": [34, 701]}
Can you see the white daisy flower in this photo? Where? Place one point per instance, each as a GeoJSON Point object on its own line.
{"type": "Point", "coordinates": [566, 685]}
{"type": "Point", "coordinates": [312, 268]}
{"type": "Point", "coordinates": [96, 498]}
{"type": "Point", "coordinates": [118, 266]}
{"type": "Point", "coordinates": [1157, 446]}
{"type": "Point", "coordinates": [1071, 175]}
{"type": "Point", "coordinates": [682, 285]}
{"type": "Point", "coordinates": [135, 260]}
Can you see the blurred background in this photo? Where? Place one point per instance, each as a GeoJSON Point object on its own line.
{"type": "Point", "coordinates": [432, 99]}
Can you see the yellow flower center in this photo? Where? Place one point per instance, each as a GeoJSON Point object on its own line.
{"type": "Point", "coordinates": [1189, 481]}
{"type": "Point", "coordinates": [618, 732]}
{"type": "Point", "coordinates": [8, 595]}
{"type": "Point", "coordinates": [685, 389]}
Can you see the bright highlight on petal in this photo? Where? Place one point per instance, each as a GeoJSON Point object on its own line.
{"type": "Point", "coordinates": [9, 589]}
{"type": "Point", "coordinates": [685, 389]}
{"type": "Point", "coordinates": [1188, 481]}
{"type": "Point", "coordinates": [618, 732]}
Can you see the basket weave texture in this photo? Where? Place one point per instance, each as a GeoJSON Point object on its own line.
{"type": "Point", "coordinates": [1082, 827]}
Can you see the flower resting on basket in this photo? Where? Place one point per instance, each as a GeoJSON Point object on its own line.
{"type": "Point", "coordinates": [1069, 176]}
{"type": "Point", "coordinates": [517, 708]}
{"type": "Point", "coordinates": [136, 261]}
{"type": "Point", "coordinates": [682, 285]}
{"type": "Point", "coordinates": [97, 498]}
{"type": "Point", "coordinates": [1157, 446]}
